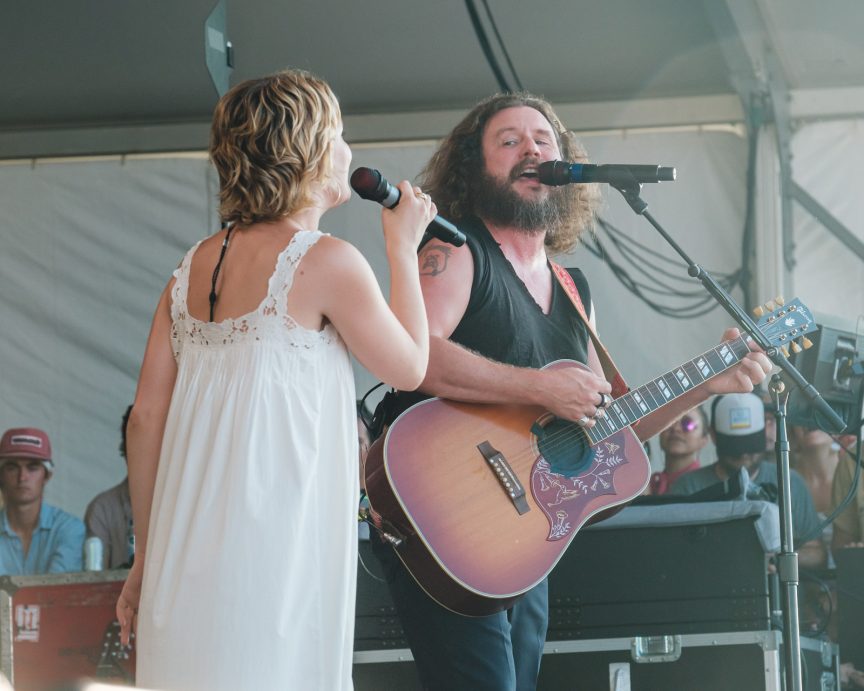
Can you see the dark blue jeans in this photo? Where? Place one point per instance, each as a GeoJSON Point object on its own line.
{"type": "Point", "coordinates": [499, 652]}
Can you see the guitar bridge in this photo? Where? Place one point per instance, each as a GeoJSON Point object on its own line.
{"type": "Point", "coordinates": [506, 477]}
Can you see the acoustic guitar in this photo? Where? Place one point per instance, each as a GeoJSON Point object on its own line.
{"type": "Point", "coordinates": [480, 501]}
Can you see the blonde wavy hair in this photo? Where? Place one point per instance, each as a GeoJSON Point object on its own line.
{"type": "Point", "coordinates": [270, 143]}
{"type": "Point", "coordinates": [459, 160]}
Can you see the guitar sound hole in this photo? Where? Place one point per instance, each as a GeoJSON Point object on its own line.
{"type": "Point", "coordinates": [564, 446]}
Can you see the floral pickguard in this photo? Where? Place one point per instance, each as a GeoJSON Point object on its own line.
{"type": "Point", "coordinates": [563, 498]}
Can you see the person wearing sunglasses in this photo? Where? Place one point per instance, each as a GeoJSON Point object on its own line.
{"type": "Point", "coordinates": [738, 432]}
{"type": "Point", "coordinates": [681, 442]}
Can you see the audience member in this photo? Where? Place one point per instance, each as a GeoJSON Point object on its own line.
{"type": "Point", "coordinates": [681, 442]}
{"type": "Point", "coordinates": [109, 517]}
{"type": "Point", "coordinates": [813, 453]}
{"type": "Point", "coordinates": [848, 531]}
{"type": "Point", "coordinates": [35, 538]}
{"type": "Point", "coordinates": [738, 432]}
{"type": "Point", "coordinates": [849, 525]}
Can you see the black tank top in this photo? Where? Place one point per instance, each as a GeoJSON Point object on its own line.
{"type": "Point", "coordinates": [502, 320]}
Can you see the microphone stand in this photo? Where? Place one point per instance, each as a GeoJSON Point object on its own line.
{"type": "Point", "coordinates": [787, 561]}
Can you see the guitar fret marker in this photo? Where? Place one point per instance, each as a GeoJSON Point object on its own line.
{"type": "Point", "coordinates": [704, 369]}
{"type": "Point", "coordinates": [682, 377]}
{"type": "Point", "coordinates": [617, 408]}
{"type": "Point", "coordinates": [664, 389]}
{"type": "Point", "coordinates": [726, 354]}
{"type": "Point", "coordinates": [649, 395]}
{"type": "Point", "coordinates": [640, 402]}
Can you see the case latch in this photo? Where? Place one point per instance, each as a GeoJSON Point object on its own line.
{"type": "Point", "coordinates": [655, 648]}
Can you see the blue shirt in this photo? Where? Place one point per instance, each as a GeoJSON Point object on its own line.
{"type": "Point", "coordinates": [805, 520]}
{"type": "Point", "coordinates": [56, 546]}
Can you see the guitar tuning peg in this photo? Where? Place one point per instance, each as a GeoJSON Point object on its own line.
{"type": "Point", "coordinates": [795, 347]}
{"type": "Point", "coordinates": [779, 300]}
{"type": "Point", "coordinates": [806, 342]}
{"type": "Point", "coordinates": [758, 311]}
{"type": "Point", "coordinates": [770, 306]}
{"type": "Point", "coordinates": [785, 350]}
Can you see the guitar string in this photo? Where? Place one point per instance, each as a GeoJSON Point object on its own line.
{"type": "Point", "coordinates": [769, 328]}
{"type": "Point", "coordinates": [555, 436]}
{"type": "Point", "coordinates": [573, 435]}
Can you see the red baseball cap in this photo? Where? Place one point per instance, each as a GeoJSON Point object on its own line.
{"type": "Point", "coordinates": [25, 442]}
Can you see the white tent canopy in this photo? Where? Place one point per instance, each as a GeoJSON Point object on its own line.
{"type": "Point", "coordinates": [92, 240]}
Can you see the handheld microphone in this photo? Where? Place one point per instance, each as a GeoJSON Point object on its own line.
{"type": "Point", "coordinates": [561, 173]}
{"type": "Point", "coordinates": [371, 185]}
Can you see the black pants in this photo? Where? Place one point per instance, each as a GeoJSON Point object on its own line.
{"type": "Point", "coordinates": [499, 652]}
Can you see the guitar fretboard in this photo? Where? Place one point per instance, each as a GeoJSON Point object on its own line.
{"type": "Point", "coordinates": [636, 404]}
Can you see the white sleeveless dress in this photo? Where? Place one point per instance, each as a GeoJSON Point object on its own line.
{"type": "Point", "coordinates": [250, 573]}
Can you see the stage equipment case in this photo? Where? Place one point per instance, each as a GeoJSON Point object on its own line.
{"type": "Point", "coordinates": [55, 629]}
{"type": "Point", "coordinates": [667, 569]}
{"type": "Point", "coordinates": [376, 624]}
{"type": "Point", "coordinates": [657, 598]}
{"type": "Point", "coordinates": [738, 661]}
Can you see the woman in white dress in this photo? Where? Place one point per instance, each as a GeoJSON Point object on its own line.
{"type": "Point", "coordinates": [242, 441]}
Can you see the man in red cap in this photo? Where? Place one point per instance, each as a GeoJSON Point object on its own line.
{"type": "Point", "coordinates": [34, 537]}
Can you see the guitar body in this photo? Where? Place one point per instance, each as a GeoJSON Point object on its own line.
{"type": "Point", "coordinates": [443, 478]}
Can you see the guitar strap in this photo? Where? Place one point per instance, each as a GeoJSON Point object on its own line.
{"type": "Point", "coordinates": [619, 386]}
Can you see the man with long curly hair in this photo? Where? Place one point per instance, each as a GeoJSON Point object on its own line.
{"type": "Point", "coordinates": [496, 316]}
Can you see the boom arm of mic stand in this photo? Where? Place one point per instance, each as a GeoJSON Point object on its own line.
{"type": "Point", "coordinates": [630, 189]}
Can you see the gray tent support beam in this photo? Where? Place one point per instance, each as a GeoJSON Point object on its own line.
{"type": "Point", "coordinates": [395, 127]}
{"type": "Point", "coordinates": [759, 78]}
{"type": "Point", "coordinates": [827, 219]}
{"type": "Point", "coordinates": [764, 92]}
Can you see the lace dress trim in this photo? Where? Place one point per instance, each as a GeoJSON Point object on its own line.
{"type": "Point", "coordinates": [269, 321]}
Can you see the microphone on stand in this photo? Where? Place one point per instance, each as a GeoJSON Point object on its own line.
{"type": "Point", "coordinates": [557, 173]}
{"type": "Point", "coordinates": [371, 185]}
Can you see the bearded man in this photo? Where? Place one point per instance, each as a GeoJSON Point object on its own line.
{"type": "Point", "coordinates": [497, 314]}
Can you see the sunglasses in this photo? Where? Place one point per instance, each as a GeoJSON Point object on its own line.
{"type": "Point", "coordinates": [688, 424]}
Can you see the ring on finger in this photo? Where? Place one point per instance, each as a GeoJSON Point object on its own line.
{"type": "Point", "coordinates": [605, 400]}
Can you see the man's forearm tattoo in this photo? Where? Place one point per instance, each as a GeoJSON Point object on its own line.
{"type": "Point", "coordinates": [433, 259]}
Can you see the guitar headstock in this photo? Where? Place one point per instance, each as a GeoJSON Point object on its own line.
{"type": "Point", "coordinates": [785, 324]}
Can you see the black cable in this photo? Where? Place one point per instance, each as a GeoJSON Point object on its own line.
{"type": "Point", "coordinates": [627, 251]}
{"type": "Point", "coordinates": [696, 302]}
{"type": "Point", "coordinates": [363, 410]}
{"type": "Point", "coordinates": [362, 561]}
{"type": "Point", "coordinates": [480, 32]}
{"type": "Point", "coordinates": [626, 244]}
{"type": "Point", "coordinates": [634, 253]}
{"type": "Point", "coordinates": [502, 46]}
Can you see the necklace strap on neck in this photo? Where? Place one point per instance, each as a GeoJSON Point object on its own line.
{"type": "Point", "coordinates": [212, 297]}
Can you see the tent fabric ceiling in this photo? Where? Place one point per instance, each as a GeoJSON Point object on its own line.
{"type": "Point", "coordinates": [103, 62]}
